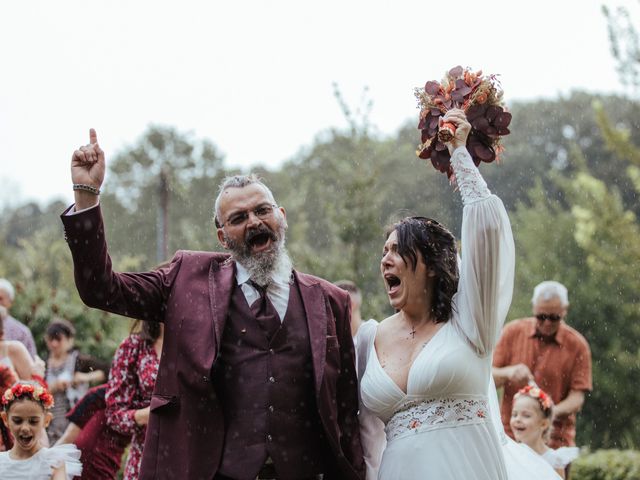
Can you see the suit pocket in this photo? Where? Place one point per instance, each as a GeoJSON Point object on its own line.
{"type": "Point", "coordinates": [160, 401]}
{"type": "Point", "coordinates": [332, 343]}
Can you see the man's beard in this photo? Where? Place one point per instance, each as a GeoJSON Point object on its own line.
{"type": "Point", "coordinates": [266, 265]}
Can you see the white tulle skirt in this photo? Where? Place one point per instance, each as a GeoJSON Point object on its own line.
{"type": "Point", "coordinates": [524, 464]}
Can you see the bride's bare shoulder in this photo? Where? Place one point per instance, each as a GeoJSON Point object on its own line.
{"type": "Point", "coordinates": [388, 324]}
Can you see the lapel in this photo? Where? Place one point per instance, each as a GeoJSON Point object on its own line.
{"type": "Point", "coordinates": [315, 309]}
{"type": "Point", "coordinates": [221, 282]}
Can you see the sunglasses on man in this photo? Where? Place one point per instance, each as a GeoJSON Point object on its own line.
{"type": "Point", "coordinates": [551, 316]}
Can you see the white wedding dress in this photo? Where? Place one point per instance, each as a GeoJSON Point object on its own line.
{"type": "Point", "coordinates": [441, 427]}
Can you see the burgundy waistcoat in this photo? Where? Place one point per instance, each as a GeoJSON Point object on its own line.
{"type": "Point", "coordinates": [267, 393]}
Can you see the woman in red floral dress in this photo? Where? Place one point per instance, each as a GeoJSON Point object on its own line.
{"type": "Point", "coordinates": [131, 381]}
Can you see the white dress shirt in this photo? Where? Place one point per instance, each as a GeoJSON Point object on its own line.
{"type": "Point", "coordinates": [277, 291]}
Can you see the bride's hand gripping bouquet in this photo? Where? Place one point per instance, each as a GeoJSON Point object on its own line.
{"type": "Point", "coordinates": [480, 97]}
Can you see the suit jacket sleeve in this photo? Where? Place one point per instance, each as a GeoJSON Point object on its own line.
{"type": "Point", "coordinates": [137, 295]}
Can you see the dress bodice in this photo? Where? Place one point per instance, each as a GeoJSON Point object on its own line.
{"type": "Point", "coordinates": [446, 368]}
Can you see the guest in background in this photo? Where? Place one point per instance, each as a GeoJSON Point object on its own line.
{"type": "Point", "coordinates": [131, 381]}
{"type": "Point", "coordinates": [355, 296]}
{"type": "Point", "coordinates": [543, 348]}
{"type": "Point", "coordinates": [101, 446]}
{"type": "Point", "coordinates": [7, 379]}
{"type": "Point", "coordinates": [68, 373]}
{"type": "Point", "coordinates": [14, 329]}
{"type": "Point", "coordinates": [13, 354]}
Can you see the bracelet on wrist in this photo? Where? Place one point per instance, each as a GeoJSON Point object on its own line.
{"type": "Point", "coordinates": [86, 188]}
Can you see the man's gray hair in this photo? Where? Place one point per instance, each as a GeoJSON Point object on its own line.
{"type": "Point", "coordinates": [7, 287]}
{"type": "Point", "coordinates": [237, 181]}
{"type": "Point", "coordinates": [548, 290]}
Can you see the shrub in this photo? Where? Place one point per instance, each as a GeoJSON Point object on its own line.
{"type": "Point", "coordinates": [607, 465]}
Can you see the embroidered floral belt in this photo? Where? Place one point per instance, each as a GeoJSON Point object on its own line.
{"type": "Point", "coordinates": [422, 415]}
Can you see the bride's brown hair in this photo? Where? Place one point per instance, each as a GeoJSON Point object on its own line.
{"type": "Point", "coordinates": [438, 248]}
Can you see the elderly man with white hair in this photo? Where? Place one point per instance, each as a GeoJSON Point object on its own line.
{"type": "Point", "coordinates": [14, 329]}
{"type": "Point", "coordinates": [545, 349]}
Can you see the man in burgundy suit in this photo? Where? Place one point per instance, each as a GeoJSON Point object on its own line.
{"type": "Point", "coordinates": [256, 378]}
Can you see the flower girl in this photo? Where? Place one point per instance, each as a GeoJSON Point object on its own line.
{"type": "Point", "coordinates": [25, 413]}
{"type": "Point", "coordinates": [531, 421]}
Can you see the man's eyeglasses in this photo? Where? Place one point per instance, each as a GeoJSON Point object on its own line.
{"type": "Point", "coordinates": [552, 316]}
{"type": "Point", "coordinates": [263, 212]}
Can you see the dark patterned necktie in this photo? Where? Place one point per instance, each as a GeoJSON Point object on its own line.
{"type": "Point", "coordinates": [264, 311]}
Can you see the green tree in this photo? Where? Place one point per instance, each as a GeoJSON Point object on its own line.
{"type": "Point", "coordinates": [159, 170]}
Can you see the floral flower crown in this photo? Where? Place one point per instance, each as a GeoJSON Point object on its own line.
{"type": "Point", "coordinates": [480, 96]}
{"type": "Point", "coordinates": [35, 392]}
{"type": "Point", "coordinates": [535, 392]}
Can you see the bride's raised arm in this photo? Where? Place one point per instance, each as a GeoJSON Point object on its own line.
{"type": "Point", "coordinates": [488, 258]}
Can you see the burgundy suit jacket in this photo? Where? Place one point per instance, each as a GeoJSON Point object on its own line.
{"type": "Point", "coordinates": [191, 297]}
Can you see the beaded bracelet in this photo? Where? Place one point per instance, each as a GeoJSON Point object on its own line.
{"type": "Point", "coordinates": [86, 188]}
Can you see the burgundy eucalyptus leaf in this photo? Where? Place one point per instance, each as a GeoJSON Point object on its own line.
{"type": "Point", "coordinates": [480, 124]}
{"type": "Point", "coordinates": [441, 147]}
{"type": "Point", "coordinates": [503, 119]}
{"type": "Point", "coordinates": [441, 162]}
{"type": "Point", "coordinates": [475, 111]}
{"type": "Point", "coordinates": [462, 87]}
{"type": "Point", "coordinates": [484, 153]}
{"type": "Point", "coordinates": [456, 72]}
{"type": "Point", "coordinates": [432, 88]}
{"type": "Point", "coordinates": [492, 112]}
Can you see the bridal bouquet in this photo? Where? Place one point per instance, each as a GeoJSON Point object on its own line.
{"type": "Point", "coordinates": [480, 96]}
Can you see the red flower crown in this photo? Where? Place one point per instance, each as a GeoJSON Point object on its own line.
{"type": "Point", "coordinates": [480, 96]}
{"type": "Point", "coordinates": [535, 392]}
{"type": "Point", "coordinates": [32, 391]}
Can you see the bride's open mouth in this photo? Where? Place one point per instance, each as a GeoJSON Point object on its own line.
{"type": "Point", "coordinates": [393, 283]}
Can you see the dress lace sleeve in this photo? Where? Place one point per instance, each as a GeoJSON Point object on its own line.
{"type": "Point", "coordinates": [488, 258]}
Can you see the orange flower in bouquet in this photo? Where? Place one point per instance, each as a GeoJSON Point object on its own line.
{"type": "Point", "coordinates": [480, 96]}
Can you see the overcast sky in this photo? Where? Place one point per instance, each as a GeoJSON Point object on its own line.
{"type": "Point", "coordinates": [255, 77]}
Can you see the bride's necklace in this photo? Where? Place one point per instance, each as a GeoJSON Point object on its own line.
{"type": "Point", "coordinates": [413, 331]}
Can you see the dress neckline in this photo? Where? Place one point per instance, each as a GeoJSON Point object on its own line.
{"type": "Point", "coordinates": [391, 380]}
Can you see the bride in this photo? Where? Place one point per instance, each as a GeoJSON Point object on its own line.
{"type": "Point", "coordinates": [426, 371]}
{"type": "Point", "coordinates": [428, 366]}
